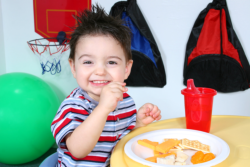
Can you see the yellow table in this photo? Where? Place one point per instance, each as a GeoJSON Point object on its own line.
{"type": "Point", "coordinates": [235, 130]}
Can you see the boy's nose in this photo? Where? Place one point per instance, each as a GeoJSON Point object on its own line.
{"type": "Point", "coordinates": [100, 70]}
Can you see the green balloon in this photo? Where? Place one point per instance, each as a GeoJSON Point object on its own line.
{"type": "Point", "coordinates": [27, 108]}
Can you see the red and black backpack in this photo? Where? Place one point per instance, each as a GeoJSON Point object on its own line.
{"type": "Point", "coordinates": [214, 57]}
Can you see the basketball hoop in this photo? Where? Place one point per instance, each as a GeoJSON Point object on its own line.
{"type": "Point", "coordinates": [49, 52]}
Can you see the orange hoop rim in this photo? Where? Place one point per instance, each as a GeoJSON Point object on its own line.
{"type": "Point", "coordinates": [65, 42]}
{"type": "Point", "coordinates": [64, 46]}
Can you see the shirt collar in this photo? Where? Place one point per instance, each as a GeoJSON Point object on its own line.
{"type": "Point", "coordinates": [86, 96]}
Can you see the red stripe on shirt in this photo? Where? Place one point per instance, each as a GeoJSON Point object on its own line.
{"type": "Point", "coordinates": [125, 95]}
{"type": "Point", "coordinates": [89, 158]}
{"type": "Point", "coordinates": [65, 122]}
{"type": "Point", "coordinates": [131, 127]}
{"type": "Point", "coordinates": [78, 120]}
{"type": "Point", "coordinates": [107, 138]}
{"type": "Point", "coordinates": [78, 111]}
{"type": "Point", "coordinates": [127, 114]}
{"type": "Point", "coordinates": [122, 115]}
{"type": "Point", "coordinates": [111, 118]}
{"type": "Point", "coordinates": [82, 97]}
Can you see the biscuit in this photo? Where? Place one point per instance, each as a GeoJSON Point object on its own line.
{"type": "Point", "coordinates": [195, 145]}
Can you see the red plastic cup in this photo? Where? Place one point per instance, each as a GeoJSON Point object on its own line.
{"type": "Point", "coordinates": [198, 106]}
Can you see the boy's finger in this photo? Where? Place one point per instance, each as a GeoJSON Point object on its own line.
{"type": "Point", "coordinates": [147, 114]}
{"type": "Point", "coordinates": [118, 95]}
{"type": "Point", "coordinates": [119, 83]}
{"type": "Point", "coordinates": [147, 107]}
{"type": "Point", "coordinates": [158, 118]}
{"type": "Point", "coordinates": [146, 110]}
{"type": "Point", "coordinates": [157, 114]}
{"type": "Point", "coordinates": [120, 87]}
{"type": "Point", "coordinates": [154, 110]}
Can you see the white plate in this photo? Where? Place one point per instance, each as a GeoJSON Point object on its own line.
{"type": "Point", "coordinates": [138, 153]}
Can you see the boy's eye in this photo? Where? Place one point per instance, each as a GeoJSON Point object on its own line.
{"type": "Point", "coordinates": [87, 62]}
{"type": "Point", "coordinates": [112, 62]}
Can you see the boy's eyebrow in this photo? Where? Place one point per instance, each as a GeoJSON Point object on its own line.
{"type": "Point", "coordinates": [84, 55]}
{"type": "Point", "coordinates": [115, 57]}
{"type": "Point", "coordinates": [87, 55]}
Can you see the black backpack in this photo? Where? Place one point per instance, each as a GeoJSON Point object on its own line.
{"type": "Point", "coordinates": [214, 57]}
{"type": "Point", "coordinates": [148, 68]}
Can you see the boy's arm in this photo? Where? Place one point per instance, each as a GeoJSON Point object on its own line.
{"type": "Point", "coordinates": [84, 138]}
{"type": "Point", "coordinates": [138, 125]}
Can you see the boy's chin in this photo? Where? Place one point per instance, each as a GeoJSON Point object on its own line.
{"type": "Point", "coordinates": [94, 95]}
{"type": "Point", "coordinates": [97, 93]}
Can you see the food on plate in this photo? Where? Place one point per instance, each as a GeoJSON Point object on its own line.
{"type": "Point", "coordinates": [165, 146]}
{"type": "Point", "coordinates": [151, 159]}
{"type": "Point", "coordinates": [176, 149]}
{"type": "Point", "coordinates": [208, 157]}
{"type": "Point", "coordinates": [154, 158]}
{"type": "Point", "coordinates": [157, 153]}
{"type": "Point", "coordinates": [181, 157]}
{"type": "Point", "coordinates": [169, 160]}
{"type": "Point", "coordinates": [165, 155]}
{"type": "Point", "coordinates": [170, 151]}
{"type": "Point", "coordinates": [166, 139]}
{"type": "Point", "coordinates": [197, 157]}
{"type": "Point", "coordinates": [148, 143]}
{"type": "Point", "coordinates": [180, 163]}
{"type": "Point", "coordinates": [195, 145]}
{"type": "Point", "coordinates": [200, 157]}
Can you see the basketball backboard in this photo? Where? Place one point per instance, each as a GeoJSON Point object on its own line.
{"type": "Point", "coordinates": [53, 16]}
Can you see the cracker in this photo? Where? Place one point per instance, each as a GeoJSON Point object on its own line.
{"type": "Point", "coordinates": [195, 145]}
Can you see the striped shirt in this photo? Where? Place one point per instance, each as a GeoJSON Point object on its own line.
{"type": "Point", "coordinates": [73, 111]}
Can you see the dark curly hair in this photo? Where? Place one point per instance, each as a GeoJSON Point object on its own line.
{"type": "Point", "coordinates": [98, 22]}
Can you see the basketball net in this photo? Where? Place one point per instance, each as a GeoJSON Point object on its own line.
{"type": "Point", "coordinates": [49, 53]}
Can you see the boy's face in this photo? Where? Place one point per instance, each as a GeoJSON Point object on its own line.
{"type": "Point", "coordinates": [99, 60]}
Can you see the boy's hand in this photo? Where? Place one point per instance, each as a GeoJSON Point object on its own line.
{"type": "Point", "coordinates": [111, 94]}
{"type": "Point", "coordinates": [147, 114]}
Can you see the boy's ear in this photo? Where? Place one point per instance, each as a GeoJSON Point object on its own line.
{"type": "Point", "coordinates": [72, 67]}
{"type": "Point", "coordinates": [128, 68]}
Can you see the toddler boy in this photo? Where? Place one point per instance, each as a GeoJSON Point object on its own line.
{"type": "Point", "coordinates": [97, 114]}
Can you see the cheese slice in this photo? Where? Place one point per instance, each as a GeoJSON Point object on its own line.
{"type": "Point", "coordinates": [165, 146]}
{"type": "Point", "coordinates": [148, 143]}
{"type": "Point", "coordinates": [156, 153]}
{"type": "Point", "coordinates": [151, 159]}
{"type": "Point", "coordinates": [154, 158]}
{"type": "Point", "coordinates": [165, 155]}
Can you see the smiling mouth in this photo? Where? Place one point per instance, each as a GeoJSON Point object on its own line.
{"type": "Point", "coordinates": [100, 82]}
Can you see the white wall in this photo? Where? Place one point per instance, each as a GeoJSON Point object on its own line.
{"type": "Point", "coordinates": [2, 56]}
{"type": "Point", "coordinates": [170, 22]}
